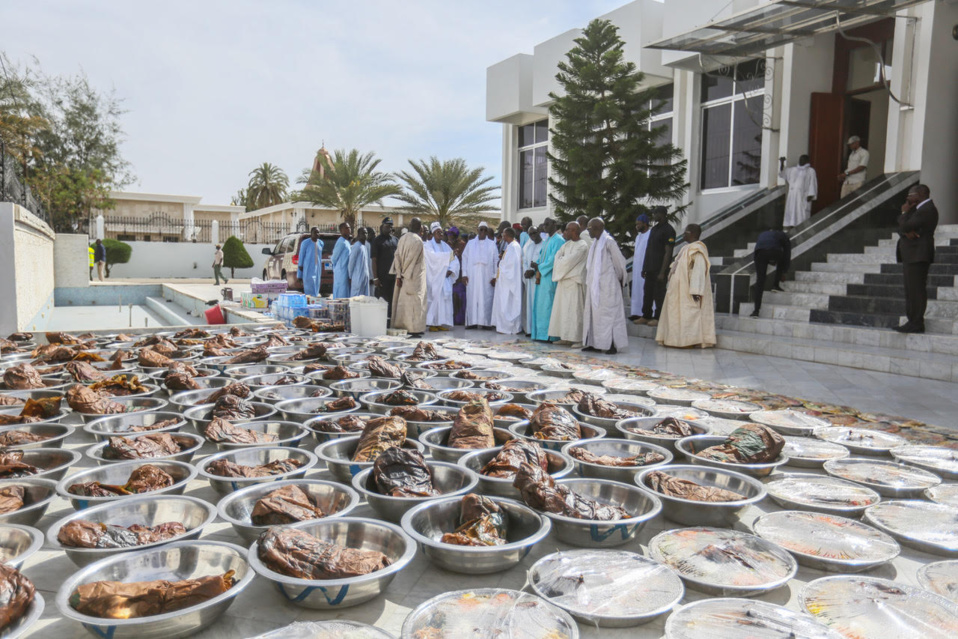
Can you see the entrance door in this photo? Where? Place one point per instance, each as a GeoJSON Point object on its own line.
{"type": "Point", "coordinates": [857, 120]}
{"type": "Point", "coordinates": [825, 145]}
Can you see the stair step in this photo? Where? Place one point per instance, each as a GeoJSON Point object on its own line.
{"type": "Point", "coordinates": [849, 267]}
{"type": "Point", "coordinates": [822, 288]}
{"type": "Point", "coordinates": [804, 300]}
{"type": "Point", "coordinates": [830, 278]}
{"type": "Point", "coordinates": [776, 311]}
{"type": "Point", "coordinates": [889, 306]}
{"type": "Point", "coordinates": [895, 279]}
{"type": "Point", "coordinates": [896, 291]}
{"type": "Point", "coordinates": [860, 258]}
{"type": "Point", "coordinates": [936, 268]}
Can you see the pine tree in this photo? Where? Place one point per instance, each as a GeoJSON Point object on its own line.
{"type": "Point", "coordinates": [607, 162]}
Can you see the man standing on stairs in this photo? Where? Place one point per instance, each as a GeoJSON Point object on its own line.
{"type": "Point", "coordinates": [655, 266]}
{"type": "Point", "coordinates": [854, 175]}
{"type": "Point", "coordinates": [916, 252]}
{"type": "Point", "coordinates": [772, 247]}
{"type": "Point", "coordinates": [802, 190]}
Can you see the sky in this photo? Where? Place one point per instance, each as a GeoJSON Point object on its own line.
{"type": "Point", "coordinates": [213, 89]}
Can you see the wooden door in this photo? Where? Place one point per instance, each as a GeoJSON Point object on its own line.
{"type": "Point", "coordinates": [825, 146]}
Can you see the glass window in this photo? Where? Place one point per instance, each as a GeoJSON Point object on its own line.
{"type": "Point", "coordinates": [533, 164]}
{"type": "Point", "coordinates": [717, 84]}
{"type": "Point", "coordinates": [526, 178]}
{"type": "Point", "coordinates": [750, 76]}
{"type": "Point", "coordinates": [715, 146]}
{"type": "Point", "coordinates": [541, 181]}
{"type": "Point", "coordinates": [746, 144]}
{"type": "Point", "coordinates": [542, 131]}
{"type": "Point", "coordinates": [664, 97]}
{"type": "Point", "coordinates": [527, 135]}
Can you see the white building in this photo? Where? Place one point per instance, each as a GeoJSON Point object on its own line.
{"type": "Point", "coordinates": [753, 81]}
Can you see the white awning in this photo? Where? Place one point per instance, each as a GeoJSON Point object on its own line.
{"type": "Point", "coordinates": [779, 22]}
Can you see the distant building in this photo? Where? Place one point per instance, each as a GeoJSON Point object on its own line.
{"type": "Point", "coordinates": [155, 217]}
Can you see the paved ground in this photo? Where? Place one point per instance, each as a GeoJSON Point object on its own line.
{"type": "Point", "coordinates": [88, 318]}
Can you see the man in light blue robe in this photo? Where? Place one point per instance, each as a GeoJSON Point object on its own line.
{"type": "Point", "coordinates": [545, 288]}
{"type": "Point", "coordinates": [340, 261]}
{"type": "Point", "coordinates": [310, 267]}
{"type": "Point", "coordinates": [359, 265]}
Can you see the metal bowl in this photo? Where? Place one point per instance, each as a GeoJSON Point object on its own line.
{"type": "Point", "coordinates": [786, 491]}
{"type": "Point", "coordinates": [316, 377]}
{"type": "Point", "coordinates": [436, 442]}
{"type": "Point", "coordinates": [118, 474]}
{"type": "Point", "coordinates": [338, 454]}
{"type": "Point", "coordinates": [17, 543]}
{"type": "Point", "coordinates": [55, 434]}
{"type": "Point", "coordinates": [384, 345]}
{"type": "Point", "coordinates": [356, 388]}
{"type": "Point", "coordinates": [25, 623]}
{"type": "Point", "coordinates": [521, 430]}
{"type": "Point", "coordinates": [237, 372]}
{"type": "Point", "coordinates": [432, 367]}
{"type": "Point", "coordinates": [690, 446]}
{"type": "Point", "coordinates": [700, 513]}
{"type": "Point", "coordinates": [201, 416]}
{"type": "Point", "coordinates": [132, 404]}
{"type": "Point", "coordinates": [32, 394]}
{"type": "Point", "coordinates": [107, 427]}
{"type": "Point", "coordinates": [640, 435]}
{"type": "Point", "coordinates": [145, 510]}
{"type": "Point", "coordinates": [194, 443]}
{"type": "Point", "coordinates": [16, 410]}
{"type": "Point", "coordinates": [616, 448]}
{"type": "Point", "coordinates": [257, 382]}
{"type": "Point", "coordinates": [332, 498]}
{"type": "Point", "coordinates": [861, 441]}
{"type": "Point", "coordinates": [277, 394]}
{"type": "Point", "coordinates": [506, 422]}
{"type": "Point", "coordinates": [186, 399]}
{"type": "Point", "coordinates": [255, 457]}
{"type": "Point", "coordinates": [321, 436]}
{"type": "Point", "coordinates": [518, 388]}
{"type": "Point", "coordinates": [350, 532]}
{"type": "Point", "coordinates": [426, 523]}
{"type": "Point", "coordinates": [553, 396]}
{"type": "Point", "coordinates": [559, 466]}
{"type": "Point", "coordinates": [437, 384]}
{"type": "Point", "coordinates": [676, 396]}
{"type": "Point", "coordinates": [630, 386]}
{"type": "Point", "coordinates": [52, 462]}
{"type": "Point", "coordinates": [936, 459]}
{"type": "Point", "coordinates": [38, 494]}
{"type": "Point", "coordinates": [494, 375]}
{"type": "Point", "coordinates": [449, 480]}
{"type": "Point", "coordinates": [302, 410]}
{"type": "Point", "coordinates": [373, 401]}
{"type": "Point", "coordinates": [175, 561]}
{"type": "Point", "coordinates": [640, 409]}
{"type": "Point", "coordinates": [913, 487]}
{"type": "Point", "coordinates": [344, 356]}
{"type": "Point", "coordinates": [946, 494]}
{"type": "Point", "coordinates": [415, 430]}
{"type": "Point", "coordinates": [725, 408]}
{"type": "Point", "coordinates": [287, 433]}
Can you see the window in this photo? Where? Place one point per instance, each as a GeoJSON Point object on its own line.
{"type": "Point", "coordinates": [661, 120]}
{"type": "Point", "coordinates": [123, 237]}
{"type": "Point", "coordinates": [732, 104]}
{"type": "Point", "coordinates": [533, 164]}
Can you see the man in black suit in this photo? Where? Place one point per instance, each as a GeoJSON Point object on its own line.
{"type": "Point", "coordinates": [772, 247]}
{"type": "Point", "coordinates": [916, 252]}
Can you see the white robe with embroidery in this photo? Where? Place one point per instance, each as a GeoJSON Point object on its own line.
{"type": "Point", "coordinates": [507, 299]}
{"type": "Point", "coordinates": [802, 184]}
{"type": "Point", "coordinates": [686, 322]}
{"type": "Point", "coordinates": [568, 272]}
{"type": "Point", "coordinates": [479, 260]}
{"type": "Point", "coordinates": [638, 282]}
{"type": "Point", "coordinates": [603, 323]}
{"type": "Point", "coordinates": [530, 253]}
{"type": "Point", "coordinates": [438, 284]}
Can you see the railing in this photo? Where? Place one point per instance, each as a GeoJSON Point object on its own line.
{"type": "Point", "coordinates": [13, 187]}
{"type": "Point", "coordinates": [163, 228]}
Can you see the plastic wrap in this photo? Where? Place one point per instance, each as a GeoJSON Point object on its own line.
{"type": "Point", "coordinates": [146, 446]}
{"type": "Point", "coordinates": [596, 406]}
{"type": "Point", "coordinates": [237, 389]}
{"type": "Point", "coordinates": [860, 440]}
{"type": "Point", "coordinates": [741, 619]}
{"type": "Point", "coordinates": [481, 523]}
{"type": "Point", "coordinates": [22, 377]}
{"type": "Point", "coordinates": [80, 533]}
{"type": "Point", "coordinates": [472, 427]}
{"type": "Point", "coordinates": [842, 542]}
{"type": "Point", "coordinates": [819, 492]}
{"type": "Point", "coordinates": [642, 459]}
{"type": "Point", "coordinates": [220, 430]}
{"type": "Point", "coordinates": [119, 600]}
{"type": "Point", "coordinates": [298, 554]}
{"type": "Point", "coordinates": [728, 407]}
{"type": "Point", "coordinates": [378, 367]}
{"type": "Point", "coordinates": [937, 459]}
{"type": "Point", "coordinates": [513, 412]}
{"type": "Point", "coordinates": [225, 468]}
{"type": "Point", "coordinates": [12, 498]}
{"type": "Point", "coordinates": [515, 452]}
{"type": "Point", "coordinates": [789, 421]}
{"type": "Point", "coordinates": [119, 386]}
{"type": "Point", "coordinates": [929, 527]}
{"type": "Point", "coordinates": [16, 595]}
{"type": "Point", "coordinates": [946, 494]}
{"type": "Point", "coordinates": [424, 352]}
{"type": "Point", "coordinates": [883, 474]}
{"type": "Point", "coordinates": [399, 398]}
{"type": "Point", "coordinates": [670, 427]}
{"type": "Point", "coordinates": [940, 578]}
{"type": "Point", "coordinates": [327, 630]}
{"type": "Point", "coordinates": [812, 451]}
{"type": "Point", "coordinates": [540, 492]}
{"type": "Point", "coordinates": [144, 479]}
{"type": "Point", "coordinates": [85, 400]}
{"type": "Point", "coordinates": [82, 372]}
{"type": "Point", "coordinates": [152, 359]}
{"type": "Point", "coordinates": [550, 421]}
{"type": "Point", "coordinates": [338, 373]}
{"type": "Point", "coordinates": [666, 484]}
{"type": "Point", "coordinates": [402, 473]}
{"type": "Point", "coordinates": [749, 444]}
{"type": "Point", "coordinates": [379, 435]}
{"type": "Point", "coordinates": [680, 395]}
{"type": "Point", "coordinates": [338, 405]}
{"type": "Point", "coordinates": [249, 356]}
{"type": "Point", "coordinates": [180, 382]}
{"type": "Point", "coordinates": [629, 386]}
{"type": "Point", "coordinates": [13, 466]}
{"type": "Point", "coordinates": [284, 505]}
{"type": "Point", "coordinates": [233, 408]}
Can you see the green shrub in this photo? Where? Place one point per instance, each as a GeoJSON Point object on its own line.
{"type": "Point", "coordinates": [117, 252]}
{"type": "Point", "coordinates": [235, 255]}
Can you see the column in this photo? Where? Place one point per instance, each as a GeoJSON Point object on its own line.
{"type": "Point", "coordinates": [188, 222]}
{"type": "Point", "coordinates": [215, 232]}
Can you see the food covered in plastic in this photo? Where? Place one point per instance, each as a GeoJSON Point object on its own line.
{"type": "Point", "coordinates": [378, 367]}
{"type": "Point", "coordinates": [666, 484]}
{"type": "Point", "coordinates": [238, 389]}
{"type": "Point", "coordinates": [313, 351]}
{"type": "Point", "coordinates": [298, 554]}
{"type": "Point", "coordinates": [514, 412]}
{"type": "Point", "coordinates": [927, 526]}
{"type": "Point", "coordinates": [540, 491]}
{"type": "Point", "coordinates": [416, 414]}
{"type": "Point", "coordinates": [818, 492]}
{"type": "Point", "coordinates": [339, 373]}
{"type": "Point", "coordinates": [399, 398]}
{"type": "Point", "coordinates": [669, 427]}
{"type": "Point", "coordinates": [81, 533]}
{"type": "Point", "coordinates": [12, 498]}
{"type": "Point", "coordinates": [592, 404]}
{"type": "Point", "coordinates": [22, 377]}
{"type": "Point", "coordinates": [842, 542]}
{"type": "Point", "coordinates": [150, 358]}
{"type": "Point", "coordinates": [748, 444]}
{"type": "Point", "coordinates": [119, 386]}
{"type": "Point", "coordinates": [83, 372]}
{"type": "Point", "coordinates": [181, 381]}
{"type": "Point", "coordinates": [481, 523]}
{"type": "Point", "coordinates": [233, 408]}
{"type": "Point", "coordinates": [450, 365]}
{"type": "Point", "coordinates": [423, 352]}
{"type": "Point", "coordinates": [875, 441]}
{"type": "Point", "coordinates": [226, 468]}
{"type": "Point", "coordinates": [144, 479]}
{"type": "Point", "coordinates": [642, 459]}
{"type": "Point", "coordinates": [16, 595]}
{"type": "Point", "coordinates": [940, 577]}
{"type": "Point", "coordinates": [882, 475]}
{"type": "Point", "coordinates": [220, 430]}
{"type": "Point", "coordinates": [249, 356]}
{"type": "Point", "coordinates": [398, 472]}
{"type": "Point", "coordinates": [743, 618]}
{"type": "Point", "coordinates": [121, 600]}
{"type": "Point", "coordinates": [13, 466]}
{"type": "Point", "coordinates": [811, 450]}
{"type": "Point", "coordinates": [551, 421]}
{"type": "Point", "coordinates": [379, 435]}
{"type": "Point", "coordinates": [146, 446]}
{"type": "Point", "coordinates": [338, 405]}
{"type": "Point", "coordinates": [473, 427]}
{"type": "Point", "coordinates": [85, 400]}
{"type": "Point", "coordinates": [349, 423]}
{"type": "Point", "coordinates": [285, 505]}
{"type": "Point", "coordinates": [20, 437]}
{"type": "Point", "coordinates": [515, 452]}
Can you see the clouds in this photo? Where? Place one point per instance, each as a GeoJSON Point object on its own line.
{"type": "Point", "coordinates": [214, 88]}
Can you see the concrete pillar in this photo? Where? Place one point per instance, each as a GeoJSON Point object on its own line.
{"type": "Point", "coordinates": [100, 227]}
{"type": "Point", "coordinates": [234, 224]}
{"type": "Point", "coordinates": [188, 222]}
{"type": "Point", "coordinates": [215, 232]}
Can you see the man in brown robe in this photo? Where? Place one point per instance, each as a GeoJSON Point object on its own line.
{"type": "Point", "coordinates": [409, 267]}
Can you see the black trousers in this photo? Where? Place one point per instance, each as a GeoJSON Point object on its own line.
{"type": "Point", "coordinates": [763, 257]}
{"type": "Point", "coordinates": [916, 292]}
{"type": "Point", "coordinates": [387, 284]}
{"type": "Point", "coordinates": [653, 291]}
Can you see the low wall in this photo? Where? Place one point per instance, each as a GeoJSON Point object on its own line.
{"type": "Point", "coordinates": [71, 260]}
{"type": "Point", "coordinates": [170, 260]}
{"type": "Point", "coordinates": [26, 269]}
{"type": "Point", "coordinates": [106, 295]}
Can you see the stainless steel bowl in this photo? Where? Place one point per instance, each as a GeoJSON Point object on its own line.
{"type": "Point", "coordinates": [175, 561]}
{"type": "Point", "coordinates": [373, 401]}
{"type": "Point", "coordinates": [255, 457]}
{"type": "Point", "coordinates": [52, 462]}
{"type": "Point", "coordinates": [616, 448]}
{"type": "Point", "coordinates": [194, 443]}
{"type": "Point", "coordinates": [186, 399]}
{"type": "Point", "coordinates": [17, 543]}
{"type": "Point", "coordinates": [356, 388]}
{"type": "Point", "coordinates": [257, 382]}
{"type": "Point", "coordinates": [506, 422]}
{"type": "Point", "coordinates": [518, 388]}
{"type": "Point", "coordinates": [559, 466]}
{"type": "Point", "coordinates": [432, 367]}
{"type": "Point", "coordinates": [287, 433]}
{"type": "Point", "coordinates": [32, 394]}
{"type": "Point", "coordinates": [414, 430]}
{"type": "Point", "coordinates": [551, 395]}
{"type": "Point", "coordinates": [880, 469]}
{"type": "Point", "coordinates": [350, 532]}
{"type": "Point", "coordinates": [314, 426]}
{"type": "Point", "coordinates": [201, 416]}
{"type": "Point", "coordinates": [454, 403]}
{"type": "Point", "coordinates": [132, 404]}
{"type": "Point", "coordinates": [316, 377]}
{"type": "Point", "coordinates": [118, 474]}
{"type": "Point", "coordinates": [449, 480]}
{"type": "Point", "coordinates": [641, 435]}
{"type": "Point", "coordinates": [145, 510]}
{"type": "Point", "coordinates": [436, 442]}
{"type": "Point", "coordinates": [332, 498]}
{"type": "Point", "coordinates": [38, 494]}
{"type": "Point", "coordinates": [641, 410]}
{"type": "Point", "coordinates": [237, 372]}
{"type": "Point", "coordinates": [23, 625]}
{"type": "Point", "coordinates": [114, 425]}
{"type": "Point", "coordinates": [426, 523]}
{"type": "Point", "coordinates": [689, 446]}
{"type": "Point", "coordinates": [521, 430]}
{"type": "Point", "coordinates": [437, 384]}
{"type": "Point", "coordinates": [700, 513]}
{"type": "Point", "coordinates": [16, 410]}
{"type": "Point", "coordinates": [55, 434]}
{"type": "Point", "coordinates": [302, 410]}
{"type": "Point", "coordinates": [338, 454]}
{"type": "Point", "coordinates": [482, 372]}
{"type": "Point", "coordinates": [277, 394]}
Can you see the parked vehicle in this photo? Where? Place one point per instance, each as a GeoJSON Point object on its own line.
{"type": "Point", "coordinates": [282, 259]}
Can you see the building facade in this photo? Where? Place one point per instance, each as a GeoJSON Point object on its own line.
{"type": "Point", "coordinates": [155, 217]}
{"type": "Point", "coordinates": [757, 82]}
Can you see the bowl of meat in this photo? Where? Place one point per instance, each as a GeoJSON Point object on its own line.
{"type": "Point", "coordinates": [445, 444]}
{"type": "Point", "coordinates": [661, 431]}
{"type": "Point", "coordinates": [268, 432]}
{"type": "Point", "coordinates": [234, 470]}
{"type": "Point", "coordinates": [460, 397]}
{"type": "Point", "coordinates": [752, 449]}
{"type": "Point", "coordinates": [518, 388]}
{"type": "Point", "coordinates": [419, 420]}
{"type": "Point", "coordinates": [114, 482]}
{"type": "Point", "coordinates": [302, 410]}
{"type": "Point", "coordinates": [496, 468]}
{"type": "Point", "coordinates": [44, 463]}
{"type": "Point", "coordinates": [277, 394]}
{"type": "Point", "coordinates": [135, 423]}
{"type": "Point", "coordinates": [356, 388]}
{"type": "Point", "coordinates": [346, 457]}
{"type": "Point", "coordinates": [35, 435]}
{"type": "Point", "coordinates": [615, 459]}
{"type": "Point", "coordinates": [383, 402]}
{"type": "Point", "coordinates": [595, 410]}
{"type": "Point", "coordinates": [328, 427]}
{"type": "Point", "coordinates": [701, 496]}
{"type": "Point", "coordinates": [25, 500]}
{"type": "Point", "coordinates": [552, 426]}
{"type": "Point", "coordinates": [167, 446]}
{"type": "Point", "coordinates": [505, 415]}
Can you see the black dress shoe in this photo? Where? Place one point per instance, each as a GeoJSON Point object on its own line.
{"type": "Point", "coordinates": [754, 313]}
{"type": "Point", "coordinates": [908, 327]}
{"type": "Point", "coordinates": [778, 288]}
{"type": "Point", "coordinates": [472, 327]}
{"type": "Point", "coordinates": [611, 351]}
{"type": "Point", "coordinates": [590, 349]}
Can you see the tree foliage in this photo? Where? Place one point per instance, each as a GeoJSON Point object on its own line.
{"type": "Point", "coordinates": [446, 190]}
{"type": "Point", "coordinates": [267, 186]}
{"type": "Point", "coordinates": [235, 255]}
{"type": "Point", "coordinates": [607, 162]}
{"type": "Point", "coordinates": [347, 183]}
{"type": "Point", "coordinates": [117, 252]}
{"type": "Point", "coordinates": [240, 199]}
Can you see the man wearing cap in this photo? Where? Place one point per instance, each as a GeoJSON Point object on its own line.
{"type": "Point", "coordinates": [854, 175]}
{"type": "Point", "coordinates": [507, 300]}
{"type": "Point", "coordinates": [218, 266]}
{"type": "Point", "coordinates": [568, 272]}
{"type": "Point", "coordinates": [382, 250]}
{"type": "Point", "coordinates": [638, 259]}
{"type": "Point", "coordinates": [408, 266]}
{"type": "Point", "coordinates": [340, 263]}
{"type": "Point", "coordinates": [530, 254]}
{"type": "Point", "coordinates": [479, 262]}
{"type": "Point", "coordinates": [440, 274]}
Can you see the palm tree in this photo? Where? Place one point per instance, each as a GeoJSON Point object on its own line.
{"type": "Point", "coordinates": [267, 186]}
{"type": "Point", "coordinates": [348, 182]}
{"type": "Point", "coordinates": [445, 190]}
{"type": "Point", "coordinates": [240, 199]}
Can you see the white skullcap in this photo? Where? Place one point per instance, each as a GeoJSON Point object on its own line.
{"type": "Point", "coordinates": [854, 138]}
{"type": "Point", "coordinates": [483, 225]}
{"type": "Point", "coordinates": [435, 226]}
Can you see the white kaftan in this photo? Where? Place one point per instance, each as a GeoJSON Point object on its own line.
{"type": "Point", "coordinates": [530, 253]}
{"type": "Point", "coordinates": [686, 322]}
{"type": "Point", "coordinates": [568, 272]}
{"type": "Point", "coordinates": [638, 282]}
{"type": "Point", "coordinates": [507, 299]}
{"type": "Point", "coordinates": [409, 299]}
{"type": "Point", "coordinates": [802, 184]}
{"type": "Point", "coordinates": [603, 322]}
{"type": "Point", "coordinates": [479, 260]}
{"type": "Point", "coordinates": [438, 284]}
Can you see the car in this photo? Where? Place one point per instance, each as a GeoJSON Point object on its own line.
{"type": "Point", "coordinates": [281, 261]}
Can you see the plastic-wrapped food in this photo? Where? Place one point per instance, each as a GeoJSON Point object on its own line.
{"type": "Point", "coordinates": [6, 346]}
{"type": "Point", "coordinates": [642, 459]}
{"type": "Point", "coordinates": [473, 427]}
{"type": "Point", "coordinates": [13, 466]}
{"type": "Point", "coordinates": [298, 554]}
{"type": "Point", "coordinates": [339, 373]}
{"type": "Point", "coordinates": [398, 472]}
{"type": "Point", "coordinates": [748, 444]}
{"type": "Point", "coordinates": [83, 399]}
{"type": "Point", "coordinates": [220, 430]}
{"type": "Point", "coordinates": [574, 396]}
{"type": "Point", "coordinates": [399, 398]}
{"type": "Point", "coordinates": [146, 446]}
{"type": "Point", "coordinates": [150, 358]}
{"type": "Point", "coordinates": [285, 505]}
{"type": "Point", "coordinates": [481, 523]}
{"type": "Point", "coordinates": [465, 374]}
{"type": "Point", "coordinates": [550, 421]}
{"type": "Point", "coordinates": [144, 479]}
{"type": "Point", "coordinates": [416, 414]}
{"type": "Point", "coordinates": [920, 524]}
{"type": "Point", "coordinates": [119, 600]}
{"type": "Point", "coordinates": [315, 368]}
{"type": "Point", "coordinates": [738, 618]}
{"type": "Point", "coordinates": [165, 347]}
{"type": "Point", "coordinates": [540, 492]}
{"type": "Point", "coordinates": [250, 356]}
{"type": "Point", "coordinates": [348, 423]}
{"type": "Point", "coordinates": [81, 533]}
{"type": "Point", "coordinates": [818, 492]}
{"type": "Point", "coordinates": [16, 595]}
{"type": "Point", "coordinates": [182, 367]}
{"type": "Point", "coordinates": [142, 428]}
{"type": "Point", "coordinates": [668, 427]}
{"type": "Point", "coordinates": [514, 453]}
{"type": "Point", "coordinates": [20, 337]}
{"type": "Point", "coordinates": [687, 489]}
{"type": "Point", "coordinates": [378, 367]}
{"type": "Point", "coordinates": [225, 468]}
{"type": "Point", "coordinates": [844, 543]}
{"type": "Point", "coordinates": [313, 351]}
{"type": "Point", "coordinates": [592, 404]}
{"type": "Point", "coordinates": [450, 365]}
{"type": "Point", "coordinates": [379, 435]}
{"type": "Point", "coordinates": [464, 396]}
{"type": "Point", "coordinates": [237, 389]}
{"type": "Point", "coordinates": [22, 377]}
{"type": "Point", "coordinates": [513, 411]}
{"type": "Point", "coordinates": [53, 353]}
{"type": "Point", "coordinates": [275, 340]}
{"type": "Point", "coordinates": [43, 408]}
{"type": "Point", "coordinates": [233, 408]}
{"type": "Point", "coordinates": [423, 352]}
{"type": "Point", "coordinates": [334, 629]}
{"type": "Point", "coordinates": [285, 380]}
{"type": "Point", "coordinates": [83, 372]}
{"type": "Point", "coordinates": [21, 437]}
{"type": "Point", "coordinates": [10, 400]}
{"type": "Point", "coordinates": [12, 498]}
{"type": "Point", "coordinates": [119, 386]}
{"type": "Point", "coordinates": [8, 420]}
{"type": "Point", "coordinates": [180, 382]}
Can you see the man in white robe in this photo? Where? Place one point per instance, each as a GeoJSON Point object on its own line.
{"type": "Point", "coordinates": [439, 279]}
{"type": "Point", "coordinates": [802, 191]}
{"type": "Point", "coordinates": [479, 262]}
{"type": "Point", "coordinates": [603, 323]}
{"type": "Point", "coordinates": [638, 261]}
{"type": "Point", "coordinates": [688, 317]}
{"type": "Point", "coordinates": [568, 272]}
{"type": "Point", "coordinates": [507, 299]}
{"type": "Point", "coordinates": [409, 298]}
{"type": "Point", "coordinates": [530, 254]}
{"type": "Point", "coordinates": [584, 234]}
{"type": "Point", "coordinates": [359, 265]}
